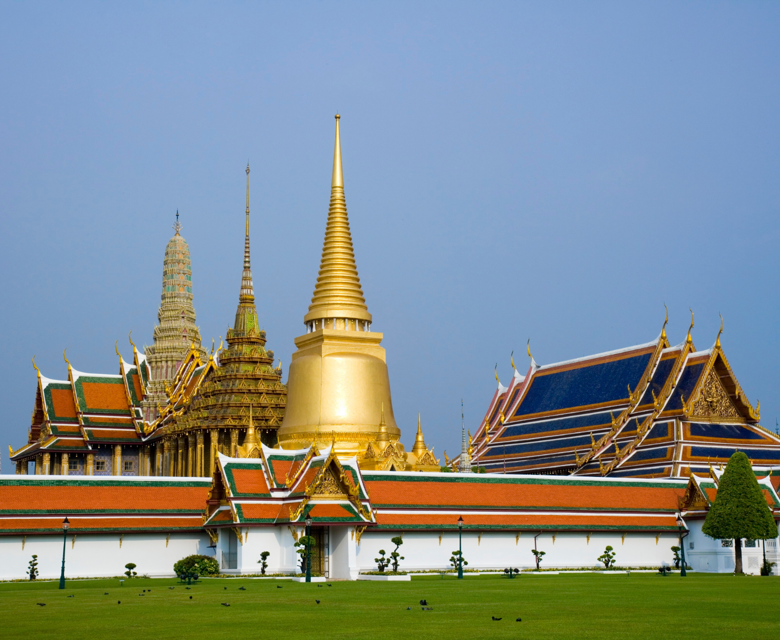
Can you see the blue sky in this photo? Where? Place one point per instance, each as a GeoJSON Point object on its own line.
{"type": "Point", "coordinates": [552, 171]}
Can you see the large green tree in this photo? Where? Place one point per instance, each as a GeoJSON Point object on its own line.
{"type": "Point", "coordinates": [740, 509]}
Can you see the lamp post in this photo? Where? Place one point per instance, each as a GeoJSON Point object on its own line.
{"type": "Point", "coordinates": [308, 548]}
{"type": "Point", "coordinates": [681, 527]}
{"type": "Point", "coordinates": [460, 548]}
{"type": "Point", "coordinates": [65, 526]}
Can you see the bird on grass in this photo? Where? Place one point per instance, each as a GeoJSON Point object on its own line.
{"type": "Point", "coordinates": [190, 597]}
{"type": "Point", "coordinates": [225, 604]}
{"type": "Point", "coordinates": [408, 608]}
{"type": "Point", "coordinates": [106, 593]}
{"type": "Point", "coordinates": [141, 594]}
{"type": "Point", "coordinates": [171, 587]}
{"type": "Point", "coordinates": [41, 604]}
{"type": "Point", "coordinates": [72, 596]}
{"type": "Point", "coordinates": [119, 602]}
{"type": "Point", "coordinates": [225, 588]}
{"type": "Point", "coordinates": [424, 602]}
{"type": "Point", "coordinates": [494, 618]}
{"type": "Point", "coordinates": [329, 584]}
{"type": "Point", "coordinates": [519, 620]}
{"type": "Point", "coordinates": [278, 586]}
{"type": "Point", "coordinates": [319, 586]}
{"type": "Point", "coordinates": [317, 601]}
{"type": "Point", "coordinates": [188, 587]}
{"type": "Point", "coordinates": [242, 588]}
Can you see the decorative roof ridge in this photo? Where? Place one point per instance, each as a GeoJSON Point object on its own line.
{"type": "Point", "coordinates": [47, 381]}
{"type": "Point", "coordinates": [596, 356]}
{"type": "Point", "coordinates": [82, 374]}
{"type": "Point", "coordinates": [541, 479]}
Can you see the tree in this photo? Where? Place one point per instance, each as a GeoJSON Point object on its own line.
{"type": "Point", "coordinates": [263, 561]}
{"type": "Point", "coordinates": [303, 544]}
{"type": "Point", "coordinates": [538, 555]}
{"type": "Point", "coordinates": [456, 558]}
{"type": "Point", "coordinates": [32, 568]}
{"type": "Point", "coordinates": [395, 557]}
{"type": "Point", "coordinates": [740, 509]}
{"type": "Point", "coordinates": [608, 557]}
{"type": "Point", "coordinates": [381, 562]}
{"type": "Point", "coordinates": [130, 573]}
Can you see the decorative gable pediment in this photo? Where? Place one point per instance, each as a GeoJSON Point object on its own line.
{"type": "Point", "coordinates": [694, 498]}
{"type": "Point", "coordinates": [713, 401]}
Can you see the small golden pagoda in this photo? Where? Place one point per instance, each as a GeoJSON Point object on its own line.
{"type": "Point", "coordinates": [338, 385]}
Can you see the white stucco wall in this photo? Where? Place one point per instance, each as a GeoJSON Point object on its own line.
{"type": "Point", "coordinates": [705, 554]}
{"type": "Point", "coordinates": [96, 555]}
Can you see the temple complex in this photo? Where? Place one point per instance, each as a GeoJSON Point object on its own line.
{"type": "Point", "coordinates": [652, 410]}
{"type": "Point", "coordinates": [176, 331]}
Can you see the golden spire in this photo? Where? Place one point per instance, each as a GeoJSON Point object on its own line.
{"type": "Point", "coordinates": [688, 338]}
{"type": "Point", "coordinates": [251, 437]}
{"type": "Point", "coordinates": [36, 368]}
{"type": "Point", "coordinates": [419, 447]}
{"type": "Point", "coordinates": [666, 321]}
{"type": "Point", "coordinates": [383, 439]}
{"type": "Point", "coordinates": [338, 294]}
{"type": "Point", "coordinates": [717, 340]}
{"type": "Point", "coordinates": [247, 290]}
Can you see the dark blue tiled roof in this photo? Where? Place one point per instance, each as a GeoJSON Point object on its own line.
{"type": "Point", "coordinates": [660, 376]}
{"type": "Point", "coordinates": [688, 380]}
{"type": "Point", "coordinates": [659, 453]}
{"type": "Point", "coordinates": [546, 445]}
{"type": "Point", "coordinates": [726, 431]}
{"type": "Point", "coordinates": [633, 472]}
{"type": "Point", "coordinates": [577, 422]}
{"type": "Point", "coordinates": [586, 385]}
{"type": "Point", "coordinates": [660, 430]}
{"type": "Point", "coordinates": [566, 459]}
{"type": "Point", "coordinates": [755, 455]}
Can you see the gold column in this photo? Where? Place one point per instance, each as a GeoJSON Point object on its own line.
{"type": "Point", "coordinates": [233, 443]}
{"type": "Point", "coordinates": [213, 440]}
{"type": "Point", "coordinates": [180, 459]}
{"type": "Point", "coordinates": [64, 464]}
{"type": "Point", "coordinates": [199, 454]}
{"type": "Point", "coordinates": [167, 458]}
{"type": "Point", "coordinates": [46, 470]}
{"type": "Point", "coordinates": [117, 460]}
{"type": "Point", "coordinates": [158, 458]}
{"type": "Point", "coordinates": [19, 464]}
{"type": "Point", "coordinates": [90, 470]}
{"type": "Point", "coordinates": [38, 465]}
{"type": "Point", "coordinates": [190, 455]}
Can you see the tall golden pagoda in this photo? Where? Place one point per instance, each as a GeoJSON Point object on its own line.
{"type": "Point", "coordinates": [338, 386]}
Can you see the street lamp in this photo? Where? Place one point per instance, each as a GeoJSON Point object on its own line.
{"type": "Point", "coordinates": [681, 527]}
{"type": "Point", "coordinates": [65, 526]}
{"type": "Point", "coordinates": [460, 548]}
{"type": "Point", "coordinates": [308, 548]}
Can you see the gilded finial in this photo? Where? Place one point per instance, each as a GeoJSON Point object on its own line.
{"type": "Point", "coordinates": [592, 440]}
{"type": "Point", "coordinates": [688, 338]}
{"type": "Point", "coordinates": [177, 226]}
{"type": "Point", "coordinates": [130, 338]}
{"type": "Point", "coordinates": [717, 340]}
{"type": "Point", "coordinates": [512, 360]}
{"type": "Point", "coordinates": [528, 348]}
{"type": "Point", "coordinates": [66, 358]}
{"type": "Point", "coordinates": [471, 448]}
{"type": "Point", "coordinates": [419, 424]}
{"type": "Point", "coordinates": [247, 199]}
{"type": "Point", "coordinates": [213, 342]}
{"type": "Point", "coordinates": [495, 373]}
{"type": "Point", "coordinates": [338, 175]}
{"type": "Point", "coordinates": [666, 320]}
{"type": "Point", "coordinates": [35, 366]}
{"type": "Point", "coordinates": [630, 393]}
{"type": "Point", "coordinates": [10, 450]}
{"type": "Point", "coordinates": [116, 348]}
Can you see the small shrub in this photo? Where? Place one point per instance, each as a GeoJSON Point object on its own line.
{"type": "Point", "coordinates": [456, 558]}
{"type": "Point", "coordinates": [32, 568]}
{"type": "Point", "coordinates": [608, 557]}
{"type": "Point", "coordinates": [677, 558]}
{"type": "Point", "coordinates": [538, 555]}
{"type": "Point", "coordinates": [130, 573]}
{"type": "Point", "coordinates": [195, 564]}
{"type": "Point", "coordinates": [381, 562]}
{"type": "Point", "coordinates": [766, 567]}
{"type": "Point", "coordinates": [396, 557]}
{"type": "Point", "coordinates": [263, 561]}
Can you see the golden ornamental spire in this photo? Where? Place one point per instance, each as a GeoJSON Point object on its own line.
{"type": "Point", "coordinates": [247, 290]}
{"type": "Point", "coordinates": [338, 297]}
{"type": "Point", "coordinates": [419, 447]}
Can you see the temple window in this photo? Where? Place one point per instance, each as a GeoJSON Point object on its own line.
{"type": "Point", "coordinates": [128, 465]}
{"type": "Point", "coordinates": [100, 465]}
{"type": "Point", "coordinates": [73, 464]}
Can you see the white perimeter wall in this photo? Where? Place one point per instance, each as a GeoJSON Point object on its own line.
{"type": "Point", "coordinates": [96, 555]}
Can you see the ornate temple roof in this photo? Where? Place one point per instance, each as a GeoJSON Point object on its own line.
{"type": "Point", "coordinates": [30, 505]}
{"type": "Point", "coordinates": [649, 410]}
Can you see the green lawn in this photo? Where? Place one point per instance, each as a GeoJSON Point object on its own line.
{"type": "Point", "coordinates": [551, 606]}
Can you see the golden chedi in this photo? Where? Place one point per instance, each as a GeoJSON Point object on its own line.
{"type": "Point", "coordinates": [338, 390]}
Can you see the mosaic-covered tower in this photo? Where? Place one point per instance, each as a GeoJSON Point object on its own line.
{"type": "Point", "coordinates": [176, 332]}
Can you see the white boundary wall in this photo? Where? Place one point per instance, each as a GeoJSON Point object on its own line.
{"type": "Point", "coordinates": [98, 555]}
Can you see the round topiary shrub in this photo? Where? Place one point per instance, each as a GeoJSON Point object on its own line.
{"type": "Point", "coordinates": [206, 566]}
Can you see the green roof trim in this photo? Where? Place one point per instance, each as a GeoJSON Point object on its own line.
{"type": "Point", "coordinates": [479, 478]}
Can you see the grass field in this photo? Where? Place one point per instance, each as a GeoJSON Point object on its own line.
{"type": "Point", "coordinates": [551, 606]}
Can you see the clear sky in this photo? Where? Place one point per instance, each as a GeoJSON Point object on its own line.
{"type": "Point", "coordinates": [552, 171]}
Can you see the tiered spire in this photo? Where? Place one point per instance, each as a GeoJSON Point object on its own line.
{"type": "Point", "coordinates": [246, 314]}
{"type": "Point", "coordinates": [176, 331]}
{"type": "Point", "coordinates": [338, 297]}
